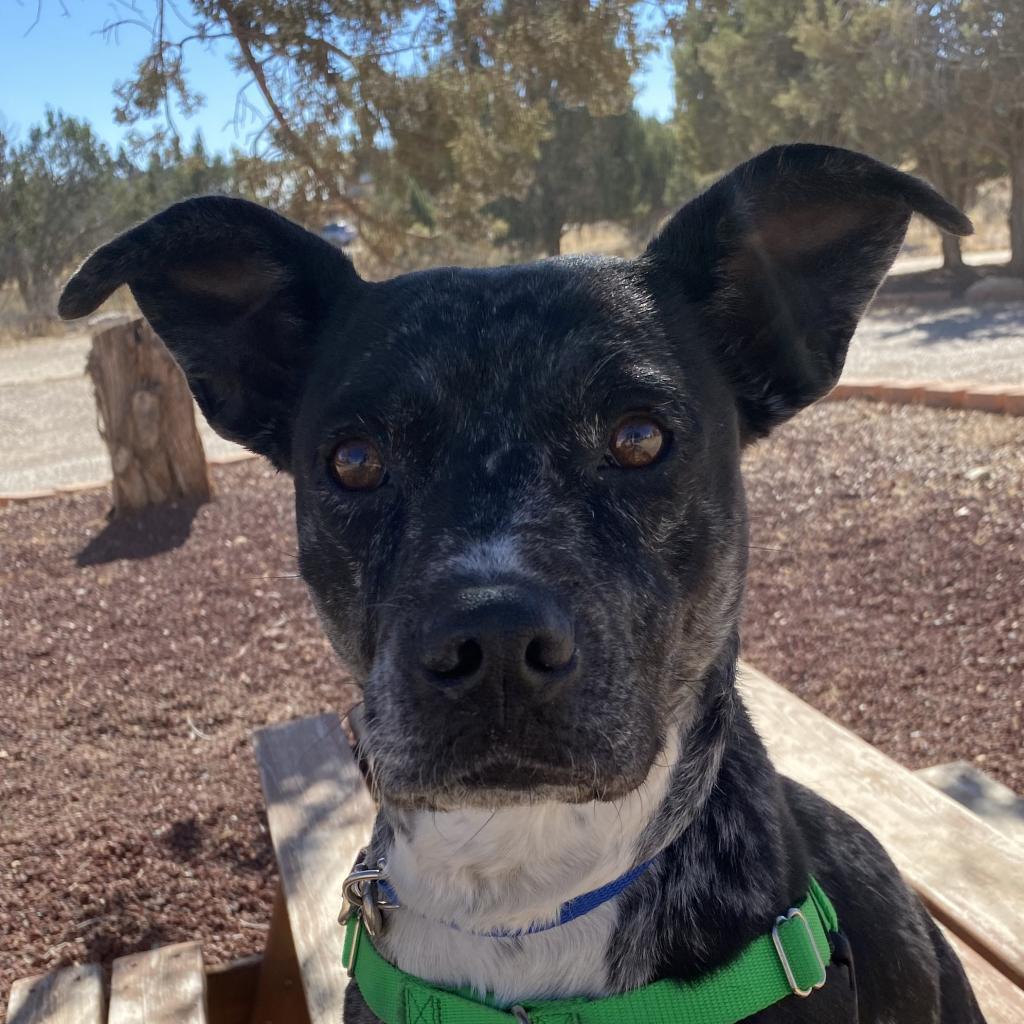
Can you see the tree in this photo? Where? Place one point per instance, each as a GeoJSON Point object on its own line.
{"type": "Point", "coordinates": [169, 174]}
{"type": "Point", "coordinates": [589, 169]}
{"type": "Point", "coordinates": [987, 51]}
{"type": "Point", "coordinates": [62, 193]}
{"type": "Point", "coordinates": [428, 98]}
{"type": "Point", "coordinates": [735, 63]}
{"type": "Point", "coordinates": [664, 179]}
{"type": "Point", "coordinates": [878, 77]}
{"type": "Point", "coordinates": [57, 204]}
{"type": "Point", "coordinates": [6, 212]}
{"type": "Point", "coordinates": [872, 75]}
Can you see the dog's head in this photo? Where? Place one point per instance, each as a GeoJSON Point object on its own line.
{"type": "Point", "coordinates": [518, 493]}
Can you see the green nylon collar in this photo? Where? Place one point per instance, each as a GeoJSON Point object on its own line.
{"type": "Point", "coordinates": [789, 960]}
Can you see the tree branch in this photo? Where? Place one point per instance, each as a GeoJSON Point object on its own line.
{"type": "Point", "coordinates": [295, 141]}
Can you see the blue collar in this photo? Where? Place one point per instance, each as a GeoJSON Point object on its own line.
{"type": "Point", "coordinates": [570, 910]}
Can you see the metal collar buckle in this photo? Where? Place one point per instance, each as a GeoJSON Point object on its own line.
{"type": "Point", "coordinates": [780, 949]}
{"type": "Point", "coordinates": [363, 898]}
{"type": "Point", "coordinates": [361, 893]}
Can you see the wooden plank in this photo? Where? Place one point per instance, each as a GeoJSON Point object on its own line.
{"type": "Point", "coordinates": [164, 986]}
{"type": "Point", "coordinates": [73, 995]}
{"type": "Point", "coordinates": [981, 795]}
{"type": "Point", "coordinates": [231, 990]}
{"type": "Point", "coordinates": [320, 814]}
{"type": "Point", "coordinates": [1000, 1000]}
{"type": "Point", "coordinates": [279, 997]}
{"type": "Point", "coordinates": [970, 876]}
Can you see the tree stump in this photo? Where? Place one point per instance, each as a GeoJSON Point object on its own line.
{"type": "Point", "coordinates": [146, 417]}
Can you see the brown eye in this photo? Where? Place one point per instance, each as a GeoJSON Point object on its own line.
{"type": "Point", "coordinates": [357, 465]}
{"type": "Point", "coordinates": [636, 441]}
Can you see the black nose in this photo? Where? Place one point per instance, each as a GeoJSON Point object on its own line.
{"type": "Point", "coordinates": [510, 636]}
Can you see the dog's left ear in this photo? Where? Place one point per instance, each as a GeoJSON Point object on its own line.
{"type": "Point", "coordinates": [780, 258]}
{"type": "Point", "coordinates": [240, 296]}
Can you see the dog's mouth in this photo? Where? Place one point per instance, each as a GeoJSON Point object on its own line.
{"type": "Point", "coordinates": [487, 792]}
{"type": "Point", "coordinates": [543, 712]}
{"type": "Point", "coordinates": [504, 776]}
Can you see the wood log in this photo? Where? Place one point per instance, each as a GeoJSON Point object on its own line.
{"type": "Point", "coordinates": [147, 420]}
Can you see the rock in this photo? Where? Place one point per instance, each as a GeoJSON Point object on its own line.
{"type": "Point", "coordinates": [996, 289]}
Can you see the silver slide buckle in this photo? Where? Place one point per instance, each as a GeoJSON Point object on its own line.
{"type": "Point", "coordinates": [780, 949]}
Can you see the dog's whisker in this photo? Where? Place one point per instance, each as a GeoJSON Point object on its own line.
{"type": "Point", "coordinates": [476, 834]}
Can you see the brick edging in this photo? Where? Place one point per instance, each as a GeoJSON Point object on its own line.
{"type": "Point", "coordinates": [999, 398]}
{"type": "Point", "coordinates": [97, 485]}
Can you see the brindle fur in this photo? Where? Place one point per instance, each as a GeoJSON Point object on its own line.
{"type": "Point", "coordinates": [491, 394]}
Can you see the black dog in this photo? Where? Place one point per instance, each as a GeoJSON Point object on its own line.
{"type": "Point", "coordinates": [521, 518]}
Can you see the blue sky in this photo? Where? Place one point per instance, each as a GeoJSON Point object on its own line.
{"type": "Point", "coordinates": [64, 61]}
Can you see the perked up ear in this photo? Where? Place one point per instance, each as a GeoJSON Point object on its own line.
{"type": "Point", "coordinates": [239, 295]}
{"type": "Point", "coordinates": [780, 259]}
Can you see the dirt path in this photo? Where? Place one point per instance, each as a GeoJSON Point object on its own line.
{"type": "Point", "coordinates": [48, 420]}
{"type": "Point", "coordinates": [915, 264]}
{"type": "Point", "coordinates": [48, 417]}
{"type": "Point", "coordinates": [983, 345]}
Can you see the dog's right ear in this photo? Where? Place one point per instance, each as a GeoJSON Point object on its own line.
{"type": "Point", "coordinates": [239, 295]}
{"type": "Point", "coordinates": [780, 258]}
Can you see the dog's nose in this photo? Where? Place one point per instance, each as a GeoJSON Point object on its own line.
{"type": "Point", "coordinates": [504, 635]}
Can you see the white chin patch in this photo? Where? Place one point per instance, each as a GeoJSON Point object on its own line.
{"type": "Point", "coordinates": [477, 870]}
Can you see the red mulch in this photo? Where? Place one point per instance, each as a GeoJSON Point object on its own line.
{"type": "Point", "coordinates": [129, 690]}
{"type": "Point", "coordinates": [886, 587]}
{"type": "Point", "coordinates": [887, 577]}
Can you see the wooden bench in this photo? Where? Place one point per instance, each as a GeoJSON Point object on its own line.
{"type": "Point", "coordinates": [164, 986]}
{"type": "Point", "coordinates": [970, 876]}
{"type": "Point", "coordinates": [320, 813]}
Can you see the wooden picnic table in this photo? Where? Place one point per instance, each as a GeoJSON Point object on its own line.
{"type": "Point", "coordinates": [320, 812]}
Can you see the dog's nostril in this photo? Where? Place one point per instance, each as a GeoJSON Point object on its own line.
{"type": "Point", "coordinates": [459, 661]}
{"type": "Point", "coordinates": [512, 639]}
{"type": "Point", "coordinates": [549, 653]}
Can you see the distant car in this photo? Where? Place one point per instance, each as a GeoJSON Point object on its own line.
{"type": "Point", "coordinates": [339, 233]}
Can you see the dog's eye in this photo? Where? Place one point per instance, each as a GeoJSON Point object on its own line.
{"type": "Point", "coordinates": [357, 465]}
{"type": "Point", "coordinates": [637, 441]}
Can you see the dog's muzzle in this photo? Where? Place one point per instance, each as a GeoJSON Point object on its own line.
{"type": "Point", "coordinates": [510, 637]}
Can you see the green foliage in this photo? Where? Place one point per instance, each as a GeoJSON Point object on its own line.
{"type": "Point", "coordinates": [56, 205]}
{"type": "Point", "coordinates": [882, 76]}
{"type": "Point", "coordinates": [985, 41]}
{"type": "Point", "coordinates": [589, 169]}
{"type": "Point", "coordinates": [448, 130]}
{"type": "Point", "coordinates": [735, 64]}
{"type": "Point", "coordinates": [456, 97]}
{"type": "Point", "coordinates": [169, 174]}
{"type": "Point", "coordinates": [62, 193]}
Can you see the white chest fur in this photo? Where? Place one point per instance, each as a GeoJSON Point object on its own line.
{"type": "Point", "coordinates": [482, 871]}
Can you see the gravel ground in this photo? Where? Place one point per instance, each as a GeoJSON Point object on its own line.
{"type": "Point", "coordinates": [48, 417]}
{"type": "Point", "coordinates": [887, 577]}
{"type": "Point", "coordinates": [983, 345]}
{"type": "Point", "coordinates": [886, 585]}
{"type": "Point", "coordinates": [130, 681]}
